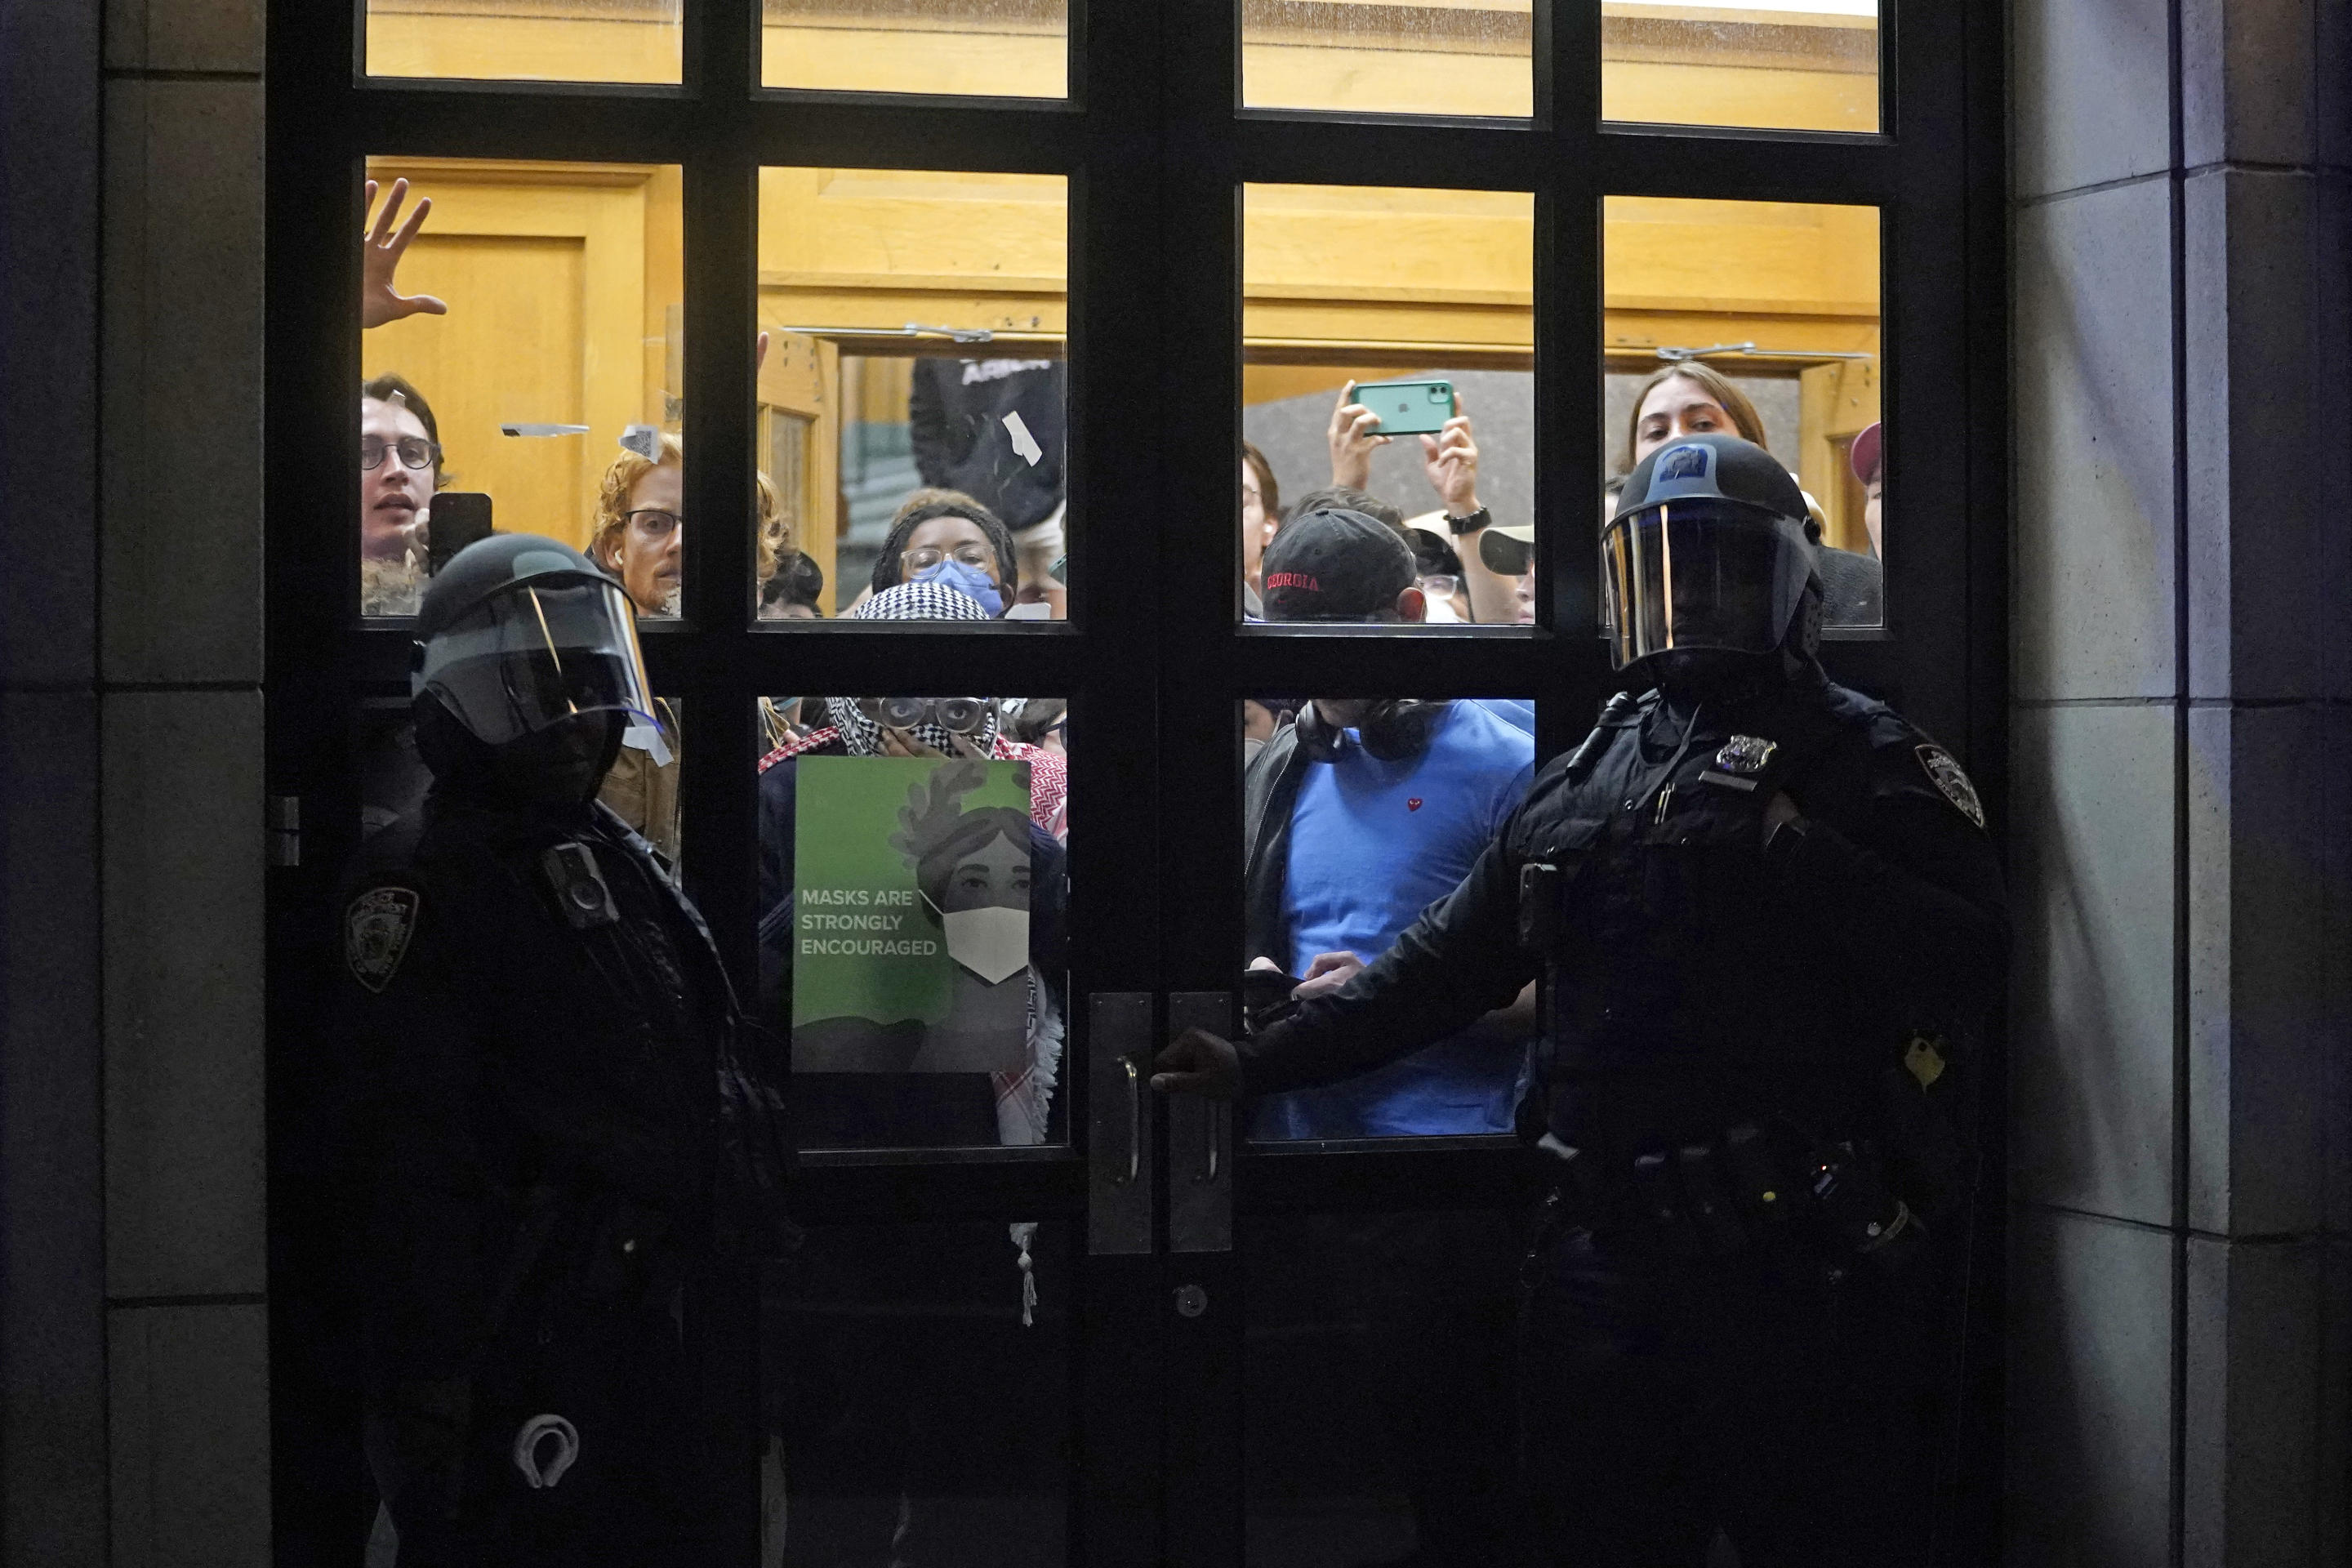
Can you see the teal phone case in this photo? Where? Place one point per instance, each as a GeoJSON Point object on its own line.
{"type": "Point", "coordinates": [1409, 408]}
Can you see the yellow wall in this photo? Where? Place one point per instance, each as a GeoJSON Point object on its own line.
{"type": "Point", "coordinates": [557, 279]}
{"type": "Point", "coordinates": [1666, 63]}
{"type": "Point", "coordinates": [999, 47]}
{"type": "Point", "coordinates": [565, 282]}
{"type": "Point", "coordinates": [851, 249]}
{"type": "Point", "coordinates": [542, 40]}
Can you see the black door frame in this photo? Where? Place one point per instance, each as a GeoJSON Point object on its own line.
{"type": "Point", "coordinates": [1155, 146]}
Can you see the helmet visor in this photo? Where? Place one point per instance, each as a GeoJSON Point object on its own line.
{"type": "Point", "coordinates": [539, 652]}
{"type": "Point", "coordinates": [1701, 573]}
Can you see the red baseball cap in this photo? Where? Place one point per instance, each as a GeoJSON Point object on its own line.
{"type": "Point", "coordinates": [1865, 455]}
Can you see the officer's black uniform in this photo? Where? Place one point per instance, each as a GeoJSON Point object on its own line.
{"type": "Point", "coordinates": [559, 1122]}
{"type": "Point", "coordinates": [1686, 1370]}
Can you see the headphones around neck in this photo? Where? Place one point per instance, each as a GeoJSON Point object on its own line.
{"type": "Point", "coordinates": [1395, 729]}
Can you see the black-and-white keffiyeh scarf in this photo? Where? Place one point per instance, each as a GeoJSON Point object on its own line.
{"type": "Point", "coordinates": [910, 602]}
{"type": "Point", "coordinates": [1023, 1099]}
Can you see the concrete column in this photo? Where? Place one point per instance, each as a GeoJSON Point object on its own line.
{"type": "Point", "coordinates": [52, 1286]}
{"type": "Point", "coordinates": [180, 795]}
{"type": "Point", "coordinates": [2181, 1114]}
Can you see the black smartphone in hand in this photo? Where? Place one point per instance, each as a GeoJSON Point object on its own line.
{"type": "Point", "coordinates": [458, 518]}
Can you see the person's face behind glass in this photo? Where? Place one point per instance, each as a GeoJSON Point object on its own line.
{"type": "Point", "coordinates": [395, 500]}
{"type": "Point", "coordinates": [1252, 522]}
{"type": "Point", "coordinates": [1873, 512]}
{"type": "Point", "coordinates": [1675, 409]}
{"type": "Point", "coordinates": [949, 536]}
{"type": "Point", "coordinates": [1523, 596]}
{"type": "Point", "coordinates": [650, 557]}
{"type": "Point", "coordinates": [993, 876]}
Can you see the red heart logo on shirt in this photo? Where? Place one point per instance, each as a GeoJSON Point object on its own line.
{"type": "Point", "coordinates": [1413, 803]}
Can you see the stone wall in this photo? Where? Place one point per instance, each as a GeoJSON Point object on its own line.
{"type": "Point", "coordinates": [134, 1377]}
{"type": "Point", "coordinates": [2180, 1110]}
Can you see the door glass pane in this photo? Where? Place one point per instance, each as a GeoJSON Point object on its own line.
{"type": "Point", "coordinates": [393, 778]}
{"type": "Point", "coordinates": [642, 788]}
{"type": "Point", "coordinates": [997, 49]}
{"type": "Point", "coordinates": [912, 392]}
{"type": "Point", "coordinates": [915, 1379]}
{"type": "Point", "coordinates": [1388, 347]}
{"type": "Point", "coordinates": [1455, 56]}
{"type": "Point", "coordinates": [550, 40]}
{"type": "Point", "coordinates": [1758, 320]}
{"type": "Point", "coordinates": [1801, 65]}
{"type": "Point", "coordinates": [521, 361]}
{"type": "Point", "coordinates": [912, 936]}
{"type": "Point", "coordinates": [1378, 1408]}
{"type": "Point", "coordinates": [1386, 805]}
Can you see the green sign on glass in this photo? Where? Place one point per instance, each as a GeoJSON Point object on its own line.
{"type": "Point", "coordinates": [911, 928]}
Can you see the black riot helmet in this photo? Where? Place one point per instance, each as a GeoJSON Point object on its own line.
{"type": "Point", "coordinates": [1706, 564]}
{"type": "Point", "coordinates": [526, 669]}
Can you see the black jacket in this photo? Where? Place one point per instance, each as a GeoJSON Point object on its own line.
{"type": "Point", "coordinates": [1695, 979]}
{"type": "Point", "coordinates": [558, 1124]}
{"type": "Point", "coordinates": [956, 410]}
{"type": "Point", "coordinates": [1269, 792]}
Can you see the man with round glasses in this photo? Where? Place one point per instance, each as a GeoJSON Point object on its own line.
{"type": "Point", "coordinates": [400, 468]}
{"type": "Point", "coordinates": [400, 444]}
{"type": "Point", "coordinates": [1766, 918]}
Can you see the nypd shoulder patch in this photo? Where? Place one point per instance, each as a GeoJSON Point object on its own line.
{"type": "Point", "coordinates": [1951, 783]}
{"type": "Point", "coordinates": [376, 927]}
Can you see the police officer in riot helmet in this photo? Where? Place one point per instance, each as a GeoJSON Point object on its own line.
{"type": "Point", "coordinates": [562, 1122]}
{"type": "Point", "coordinates": [1767, 918]}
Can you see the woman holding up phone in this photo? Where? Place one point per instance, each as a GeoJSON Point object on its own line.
{"type": "Point", "coordinates": [1449, 457]}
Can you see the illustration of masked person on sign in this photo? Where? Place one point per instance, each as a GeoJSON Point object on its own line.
{"type": "Point", "coordinates": [972, 873]}
{"type": "Point", "coordinates": [911, 949]}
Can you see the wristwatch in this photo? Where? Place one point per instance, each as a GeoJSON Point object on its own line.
{"type": "Point", "coordinates": [1471, 524]}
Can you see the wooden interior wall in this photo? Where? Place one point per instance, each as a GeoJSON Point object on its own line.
{"type": "Point", "coordinates": [1810, 66]}
{"type": "Point", "coordinates": [558, 278]}
{"type": "Point", "coordinates": [1371, 280]}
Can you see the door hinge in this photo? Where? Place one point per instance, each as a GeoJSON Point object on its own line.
{"type": "Point", "coordinates": [284, 813]}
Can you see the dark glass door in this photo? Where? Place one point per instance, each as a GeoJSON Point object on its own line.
{"type": "Point", "coordinates": [1067, 256]}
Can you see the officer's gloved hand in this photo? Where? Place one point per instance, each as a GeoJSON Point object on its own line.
{"type": "Point", "coordinates": [1197, 1062]}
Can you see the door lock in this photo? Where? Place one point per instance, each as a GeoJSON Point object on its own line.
{"type": "Point", "coordinates": [1191, 1300]}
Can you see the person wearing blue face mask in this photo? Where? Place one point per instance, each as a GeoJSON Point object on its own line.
{"type": "Point", "coordinates": [966, 575]}
{"type": "Point", "coordinates": [947, 537]}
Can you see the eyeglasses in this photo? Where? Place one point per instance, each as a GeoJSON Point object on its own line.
{"type": "Point", "coordinates": [415, 452]}
{"type": "Point", "coordinates": [655, 523]}
{"type": "Point", "coordinates": [972, 553]}
{"type": "Point", "coordinates": [956, 715]}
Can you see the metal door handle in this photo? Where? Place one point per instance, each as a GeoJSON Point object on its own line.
{"type": "Point", "coordinates": [1122, 1174]}
{"type": "Point", "coordinates": [1212, 1139]}
{"type": "Point", "coordinates": [1201, 1203]}
{"type": "Point", "coordinates": [1134, 1120]}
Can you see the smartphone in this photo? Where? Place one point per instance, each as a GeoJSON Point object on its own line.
{"type": "Point", "coordinates": [459, 517]}
{"type": "Point", "coordinates": [1409, 408]}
